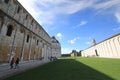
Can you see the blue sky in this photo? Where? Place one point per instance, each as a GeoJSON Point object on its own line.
{"type": "Point", "coordinates": [76, 22]}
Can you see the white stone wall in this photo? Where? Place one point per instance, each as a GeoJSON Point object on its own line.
{"type": "Point", "coordinates": [109, 48]}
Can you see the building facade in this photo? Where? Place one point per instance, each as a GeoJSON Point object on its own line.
{"type": "Point", "coordinates": [56, 48]}
{"type": "Point", "coordinates": [74, 53]}
{"type": "Point", "coordinates": [21, 35]}
{"type": "Point", "coordinates": [109, 48]}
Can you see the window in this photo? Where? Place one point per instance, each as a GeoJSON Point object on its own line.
{"type": "Point", "coordinates": [96, 52]}
{"type": "Point", "coordinates": [27, 38]}
{"type": "Point", "coordinates": [9, 30]}
{"type": "Point", "coordinates": [31, 22]}
{"type": "Point", "coordinates": [6, 1]}
{"type": "Point", "coordinates": [37, 42]}
{"type": "Point", "coordinates": [26, 16]}
{"type": "Point", "coordinates": [18, 10]}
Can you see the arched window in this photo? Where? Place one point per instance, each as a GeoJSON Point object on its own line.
{"type": "Point", "coordinates": [32, 22]}
{"type": "Point", "coordinates": [27, 38]}
{"type": "Point", "coordinates": [6, 1]}
{"type": "Point", "coordinates": [26, 17]}
{"type": "Point", "coordinates": [9, 30]}
{"type": "Point", "coordinates": [96, 52]}
{"type": "Point", "coordinates": [118, 38]}
{"type": "Point", "coordinates": [37, 42]}
{"type": "Point", "coordinates": [18, 10]}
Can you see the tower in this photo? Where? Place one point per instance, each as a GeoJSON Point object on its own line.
{"type": "Point", "coordinates": [93, 42]}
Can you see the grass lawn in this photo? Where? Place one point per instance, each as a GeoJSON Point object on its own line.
{"type": "Point", "coordinates": [74, 69]}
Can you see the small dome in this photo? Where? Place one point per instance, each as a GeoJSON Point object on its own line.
{"type": "Point", "coordinates": [54, 40]}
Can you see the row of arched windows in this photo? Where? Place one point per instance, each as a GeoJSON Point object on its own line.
{"type": "Point", "coordinates": [18, 9]}
{"type": "Point", "coordinates": [10, 30]}
{"type": "Point", "coordinates": [28, 18]}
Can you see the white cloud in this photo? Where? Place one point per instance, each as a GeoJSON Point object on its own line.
{"type": "Point", "coordinates": [42, 16]}
{"type": "Point", "coordinates": [72, 7]}
{"type": "Point", "coordinates": [81, 24]}
{"type": "Point", "coordinates": [46, 11]}
{"type": "Point", "coordinates": [30, 8]}
{"type": "Point", "coordinates": [73, 40]}
{"type": "Point", "coordinates": [107, 4]}
{"type": "Point", "coordinates": [117, 15]}
{"type": "Point", "coordinates": [59, 35]}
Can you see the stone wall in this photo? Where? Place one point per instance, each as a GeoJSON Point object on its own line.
{"type": "Point", "coordinates": [109, 48]}
{"type": "Point", "coordinates": [21, 35]}
{"type": "Point", "coordinates": [56, 48]}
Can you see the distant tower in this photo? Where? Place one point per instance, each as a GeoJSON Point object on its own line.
{"type": "Point", "coordinates": [93, 42]}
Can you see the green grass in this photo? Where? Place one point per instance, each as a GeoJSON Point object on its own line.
{"type": "Point", "coordinates": [74, 69]}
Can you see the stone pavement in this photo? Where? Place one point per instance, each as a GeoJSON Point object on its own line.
{"type": "Point", "coordinates": [6, 72]}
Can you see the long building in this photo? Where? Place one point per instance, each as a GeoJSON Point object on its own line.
{"type": "Point", "coordinates": [108, 48]}
{"type": "Point", "coordinates": [56, 48]}
{"type": "Point", "coordinates": [21, 35]}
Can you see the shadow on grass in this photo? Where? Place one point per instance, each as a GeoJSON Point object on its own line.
{"type": "Point", "coordinates": [63, 69]}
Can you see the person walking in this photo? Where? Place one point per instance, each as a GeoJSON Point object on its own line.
{"type": "Point", "coordinates": [11, 63]}
{"type": "Point", "coordinates": [17, 63]}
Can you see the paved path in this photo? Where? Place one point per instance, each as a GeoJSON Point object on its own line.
{"type": "Point", "coordinates": [5, 70]}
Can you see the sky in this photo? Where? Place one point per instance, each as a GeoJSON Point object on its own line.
{"type": "Point", "coordinates": [75, 23]}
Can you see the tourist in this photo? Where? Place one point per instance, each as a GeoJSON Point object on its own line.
{"type": "Point", "coordinates": [17, 63]}
{"type": "Point", "coordinates": [11, 63]}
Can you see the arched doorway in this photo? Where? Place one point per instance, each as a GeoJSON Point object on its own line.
{"type": "Point", "coordinates": [96, 52]}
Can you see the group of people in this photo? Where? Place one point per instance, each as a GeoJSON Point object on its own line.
{"type": "Point", "coordinates": [13, 61]}
{"type": "Point", "coordinates": [52, 58]}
